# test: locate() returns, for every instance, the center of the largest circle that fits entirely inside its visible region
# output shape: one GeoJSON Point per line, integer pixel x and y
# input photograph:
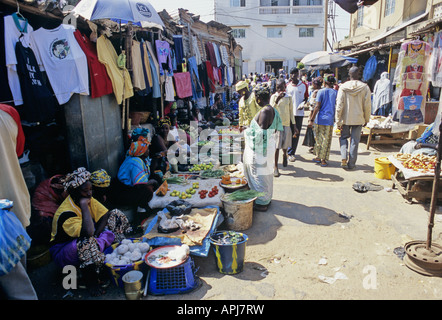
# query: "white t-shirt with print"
{"type": "Point", "coordinates": [297, 92]}
{"type": "Point", "coordinates": [63, 59]}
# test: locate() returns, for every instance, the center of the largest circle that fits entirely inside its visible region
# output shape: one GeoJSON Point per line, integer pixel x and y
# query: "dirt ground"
{"type": "Point", "coordinates": [319, 240]}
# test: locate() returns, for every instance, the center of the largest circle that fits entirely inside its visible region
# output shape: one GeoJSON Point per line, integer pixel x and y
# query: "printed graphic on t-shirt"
{"type": "Point", "coordinates": [60, 48]}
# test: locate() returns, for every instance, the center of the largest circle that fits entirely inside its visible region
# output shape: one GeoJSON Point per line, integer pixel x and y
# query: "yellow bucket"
{"type": "Point", "coordinates": [383, 168]}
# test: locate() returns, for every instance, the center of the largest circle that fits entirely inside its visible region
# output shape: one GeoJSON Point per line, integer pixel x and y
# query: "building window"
{"type": "Point", "coordinates": [306, 32]}
{"type": "Point", "coordinates": [274, 3]}
{"type": "Point", "coordinates": [389, 7]}
{"type": "Point", "coordinates": [274, 32]}
{"type": "Point", "coordinates": [360, 16]}
{"type": "Point", "coordinates": [239, 33]}
{"type": "Point", "coordinates": [307, 2]}
{"type": "Point", "coordinates": [237, 3]}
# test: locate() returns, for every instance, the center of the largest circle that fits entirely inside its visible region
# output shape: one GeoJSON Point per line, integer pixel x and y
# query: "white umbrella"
{"type": "Point", "coordinates": [136, 11]}
{"type": "Point", "coordinates": [314, 56]}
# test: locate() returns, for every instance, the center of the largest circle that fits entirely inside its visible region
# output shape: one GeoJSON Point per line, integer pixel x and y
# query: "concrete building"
{"type": "Point", "coordinates": [274, 34]}
{"type": "Point", "coordinates": [386, 21]}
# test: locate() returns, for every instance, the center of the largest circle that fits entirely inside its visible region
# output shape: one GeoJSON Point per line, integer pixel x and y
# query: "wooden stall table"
{"type": "Point", "coordinates": [385, 136]}
{"type": "Point", "coordinates": [407, 181]}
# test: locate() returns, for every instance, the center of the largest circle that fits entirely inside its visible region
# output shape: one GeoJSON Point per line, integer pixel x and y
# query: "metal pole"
{"type": "Point", "coordinates": [434, 194]}
{"type": "Point", "coordinates": [325, 24]}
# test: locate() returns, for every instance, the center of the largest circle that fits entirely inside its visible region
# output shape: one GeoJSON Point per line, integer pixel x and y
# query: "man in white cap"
{"type": "Point", "coordinates": [247, 105]}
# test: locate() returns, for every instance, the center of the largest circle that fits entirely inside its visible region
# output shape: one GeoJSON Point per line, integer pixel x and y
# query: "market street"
{"type": "Point", "coordinates": [319, 239]}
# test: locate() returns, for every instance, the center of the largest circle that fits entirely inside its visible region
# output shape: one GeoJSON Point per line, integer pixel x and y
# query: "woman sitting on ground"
{"type": "Point", "coordinates": [134, 184]}
{"type": "Point", "coordinates": [83, 228]}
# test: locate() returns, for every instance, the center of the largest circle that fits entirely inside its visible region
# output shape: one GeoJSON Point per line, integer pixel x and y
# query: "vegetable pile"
{"type": "Point", "coordinates": [201, 166]}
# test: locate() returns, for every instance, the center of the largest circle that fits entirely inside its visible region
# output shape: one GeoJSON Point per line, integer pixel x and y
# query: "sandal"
{"type": "Point", "coordinates": [324, 163]}
{"type": "Point", "coordinates": [317, 160]}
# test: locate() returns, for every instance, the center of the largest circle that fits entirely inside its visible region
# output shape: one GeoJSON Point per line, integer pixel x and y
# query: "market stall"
{"type": "Point", "coordinates": [414, 175]}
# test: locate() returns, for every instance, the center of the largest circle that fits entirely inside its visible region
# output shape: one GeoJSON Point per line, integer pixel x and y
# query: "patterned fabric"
{"type": "Point", "coordinates": [100, 178]}
{"type": "Point", "coordinates": [138, 148]}
{"type": "Point", "coordinates": [76, 178]}
{"type": "Point", "coordinates": [165, 120]}
{"type": "Point", "coordinates": [89, 250]}
{"type": "Point", "coordinates": [323, 137]}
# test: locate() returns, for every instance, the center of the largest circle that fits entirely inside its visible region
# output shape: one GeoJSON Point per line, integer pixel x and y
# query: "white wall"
{"type": "Point", "coordinates": [257, 47]}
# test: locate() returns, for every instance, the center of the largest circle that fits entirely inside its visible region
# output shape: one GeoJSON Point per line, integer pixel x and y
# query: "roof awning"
{"type": "Point", "coordinates": [380, 47]}
{"type": "Point", "coordinates": [395, 29]}
{"type": "Point", "coordinates": [425, 26]}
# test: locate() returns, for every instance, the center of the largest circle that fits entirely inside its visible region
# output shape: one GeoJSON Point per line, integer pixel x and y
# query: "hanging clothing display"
{"type": "Point", "coordinates": [164, 57]}
{"type": "Point", "coordinates": [210, 52]}
{"type": "Point", "coordinates": [15, 27]}
{"type": "Point", "coordinates": [5, 92]}
{"type": "Point", "coordinates": [58, 50]}
{"type": "Point", "coordinates": [183, 84]}
{"type": "Point", "coordinates": [382, 96]}
{"type": "Point", "coordinates": [138, 80]}
{"type": "Point", "coordinates": [155, 70]}
{"type": "Point", "coordinates": [169, 89]}
{"type": "Point", "coordinates": [179, 49]}
{"type": "Point", "coordinates": [121, 80]}
{"type": "Point", "coordinates": [146, 70]}
{"type": "Point", "coordinates": [196, 50]}
{"type": "Point", "coordinates": [38, 100]}
{"type": "Point", "coordinates": [100, 83]}
{"type": "Point", "coordinates": [436, 61]}
{"type": "Point", "coordinates": [411, 80]}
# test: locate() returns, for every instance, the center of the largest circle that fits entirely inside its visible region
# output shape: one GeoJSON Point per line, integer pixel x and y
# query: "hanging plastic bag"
{"type": "Point", "coordinates": [121, 60]}
{"type": "Point", "coordinates": [309, 139]}
{"type": "Point", "coordinates": [14, 241]}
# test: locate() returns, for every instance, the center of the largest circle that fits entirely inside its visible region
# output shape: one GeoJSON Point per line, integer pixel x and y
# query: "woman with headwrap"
{"type": "Point", "coordinates": [134, 185]}
{"type": "Point", "coordinates": [260, 147]}
{"type": "Point", "coordinates": [100, 185]}
{"type": "Point", "coordinates": [83, 228]}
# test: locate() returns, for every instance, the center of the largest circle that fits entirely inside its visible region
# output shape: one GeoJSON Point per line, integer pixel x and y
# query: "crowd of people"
{"type": "Point", "coordinates": [79, 213]}
{"type": "Point", "coordinates": [271, 114]}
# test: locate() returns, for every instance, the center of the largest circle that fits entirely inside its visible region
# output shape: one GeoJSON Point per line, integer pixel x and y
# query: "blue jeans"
{"type": "Point", "coordinates": [354, 133]}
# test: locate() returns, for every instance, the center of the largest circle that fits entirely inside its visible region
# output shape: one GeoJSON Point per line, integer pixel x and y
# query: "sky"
{"type": "Point", "coordinates": [205, 9]}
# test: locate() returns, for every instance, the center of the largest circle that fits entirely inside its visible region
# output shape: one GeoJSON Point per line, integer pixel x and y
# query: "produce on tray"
{"type": "Point", "coordinates": [212, 174]}
{"type": "Point", "coordinates": [417, 162]}
{"type": "Point", "coordinates": [127, 252]}
{"type": "Point", "coordinates": [211, 193]}
{"type": "Point", "coordinates": [241, 195]}
{"type": "Point", "coordinates": [201, 166]}
{"type": "Point", "coordinates": [176, 180]}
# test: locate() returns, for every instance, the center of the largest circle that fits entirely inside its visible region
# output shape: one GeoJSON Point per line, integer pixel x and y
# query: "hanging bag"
{"type": "Point", "coordinates": [14, 241]}
{"type": "Point", "coordinates": [309, 139]}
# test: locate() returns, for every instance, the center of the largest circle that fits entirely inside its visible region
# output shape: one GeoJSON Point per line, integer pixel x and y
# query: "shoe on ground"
{"type": "Point", "coordinates": [276, 173]}
{"type": "Point", "coordinates": [292, 158]}
{"type": "Point", "coordinates": [344, 163]}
